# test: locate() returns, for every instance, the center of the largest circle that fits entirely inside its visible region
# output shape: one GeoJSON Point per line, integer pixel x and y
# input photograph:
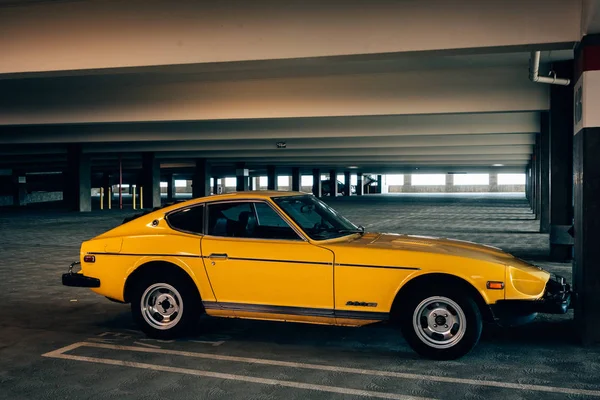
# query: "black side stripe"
{"type": "Point", "coordinates": [348, 314]}
{"type": "Point", "coordinates": [318, 263]}
{"type": "Point", "coordinates": [145, 255]}
{"type": "Point", "coordinates": [377, 266]}
{"type": "Point", "coordinates": [276, 261]}
{"type": "Point", "coordinates": [257, 259]}
{"type": "Point", "coordinates": [304, 311]}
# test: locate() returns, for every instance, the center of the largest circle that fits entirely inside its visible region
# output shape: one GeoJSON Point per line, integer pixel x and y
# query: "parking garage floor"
{"type": "Point", "coordinates": [60, 342]}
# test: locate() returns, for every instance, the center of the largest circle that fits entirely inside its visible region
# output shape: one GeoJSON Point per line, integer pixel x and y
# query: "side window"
{"type": "Point", "coordinates": [188, 220]}
{"type": "Point", "coordinates": [270, 225]}
{"type": "Point", "coordinates": [229, 219]}
{"type": "Point", "coordinates": [266, 216]}
{"type": "Point", "coordinates": [250, 220]}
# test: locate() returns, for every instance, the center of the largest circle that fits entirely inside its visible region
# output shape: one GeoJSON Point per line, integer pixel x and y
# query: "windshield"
{"type": "Point", "coordinates": [317, 219]}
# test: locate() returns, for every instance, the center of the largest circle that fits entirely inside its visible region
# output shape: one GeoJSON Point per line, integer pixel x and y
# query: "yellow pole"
{"type": "Point", "coordinates": [134, 197]}
{"type": "Point", "coordinates": [102, 198]}
{"type": "Point", "coordinates": [109, 197]}
{"type": "Point", "coordinates": [141, 197]}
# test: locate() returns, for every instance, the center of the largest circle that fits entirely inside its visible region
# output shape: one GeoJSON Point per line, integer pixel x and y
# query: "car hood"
{"type": "Point", "coordinates": [459, 248]}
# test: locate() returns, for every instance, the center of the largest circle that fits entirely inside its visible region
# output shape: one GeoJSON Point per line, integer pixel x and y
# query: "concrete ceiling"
{"type": "Point", "coordinates": [440, 109]}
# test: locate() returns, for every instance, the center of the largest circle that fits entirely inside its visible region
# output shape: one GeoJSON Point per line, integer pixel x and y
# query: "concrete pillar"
{"type": "Point", "coordinates": [150, 180]}
{"type": "Point", "coordinates": [201, 179]}
{"type": "Point", "coordinates": [333, 183]}
{"type": "Point", "coordinates": [528, 183]}
{"type": "Point", "coordinates": [215, 185]}
{"type": "Point", "coordinates": [316, 189]}
{"type": "Point", "coordinates": [449, 182]}
{"type": "Point", "coordinates": [106, 188]}
{"type": "Point", "coordinates": [561, 165]}
{"type": "Point", "coordinates": [347, 186]}
{"type": "Point", "coordinates": [271, 178]}
{"type": "Point", "coordinates": [296, 179]}
{"type": "Point", "coordinates": [19, 188]}
{"type": "Point", "coordinates": [493, 181]}
{"type": "Point", "coordinates": [532, 183]}
{"type": "Point", "coordinates": [170, 187]}
{"type": "Point", "coordinates": [77, 193]}
{"type": "Point", "coordinates": [379, 183]}
{"type": "Point", "coordinates": [359, 184]}
{"type": "Point", "coordinates": [586, 176]}
{"type": "Point", "coordinates": [407, 180]}
{"type": "Point", "coordinates": [537, 180]}
{"type": "Point", "coordinates": [241, 174]}
{"type": "Point", "coordinates": [545, 172]}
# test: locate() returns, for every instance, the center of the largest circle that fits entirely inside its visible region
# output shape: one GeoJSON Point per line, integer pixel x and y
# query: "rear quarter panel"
{"type": "Point", "coordinates": [118, 257]}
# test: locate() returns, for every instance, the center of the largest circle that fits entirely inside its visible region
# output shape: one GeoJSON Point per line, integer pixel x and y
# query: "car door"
{"type": "Point", "coordinates": [258, 265]}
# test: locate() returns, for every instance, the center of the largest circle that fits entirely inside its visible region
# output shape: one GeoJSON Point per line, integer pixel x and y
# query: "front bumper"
{"type": "Point", "coordinates": [79, 280]}
{"type": "Point", "coordinates": [556, 300]}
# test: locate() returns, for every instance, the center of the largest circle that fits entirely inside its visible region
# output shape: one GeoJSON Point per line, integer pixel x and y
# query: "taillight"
{"type": "Point", "coordinates": [88, 258]}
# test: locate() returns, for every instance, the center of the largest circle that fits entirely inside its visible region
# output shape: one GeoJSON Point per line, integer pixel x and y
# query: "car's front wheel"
{"type": "Point", "coordinates": [441, 324]}
{"type": "Point", "coordinates": [165, 307]}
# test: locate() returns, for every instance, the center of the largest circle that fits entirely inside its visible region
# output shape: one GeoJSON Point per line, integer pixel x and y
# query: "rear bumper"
{"type": "Point", "coordinates": [79, 280]}
{"type": "Point", "coordinates": [556, 300]}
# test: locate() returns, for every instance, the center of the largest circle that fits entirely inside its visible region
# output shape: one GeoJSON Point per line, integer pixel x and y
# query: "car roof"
{"type": "Point", "coordinates": [251, 194]}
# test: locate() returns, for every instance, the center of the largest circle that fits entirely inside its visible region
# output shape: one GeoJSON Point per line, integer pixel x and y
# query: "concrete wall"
{"type": "Point", "coordinates": [453, 189]}
{"type": "Point", "coordinates": [33, 197]}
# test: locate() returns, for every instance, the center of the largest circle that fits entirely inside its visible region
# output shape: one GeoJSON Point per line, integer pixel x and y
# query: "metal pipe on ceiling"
{"type": "Point", "coordinates": [534, 69]}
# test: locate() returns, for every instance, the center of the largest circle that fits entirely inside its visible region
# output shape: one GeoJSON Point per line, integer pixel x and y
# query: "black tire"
{"type": "Point", "coordinates": [187, 304]}
{"type": "Point", "coordinates": [433, 346]}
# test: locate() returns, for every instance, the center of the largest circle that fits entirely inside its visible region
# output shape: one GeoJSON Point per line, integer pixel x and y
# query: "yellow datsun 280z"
{"type": "Point", "coordinates": [287, 256]}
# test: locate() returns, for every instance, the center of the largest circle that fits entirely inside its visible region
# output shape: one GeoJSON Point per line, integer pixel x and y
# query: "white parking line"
{"type": "Point", "coordinates": [147, 345]}
{"type": "Point", "coordinates": [402, 375]}
{"type": "Point", "coordinates": [208, 374]}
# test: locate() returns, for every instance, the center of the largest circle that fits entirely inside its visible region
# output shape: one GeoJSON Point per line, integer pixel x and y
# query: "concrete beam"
{"type": "Point", "coordinates": [93, 35]}
{"type": "Point", "coordinates": [274, 129]}
{"type": "Point", "coordinates": [441, 91]}
{"type": "Point", "coordinates": [295, 146]}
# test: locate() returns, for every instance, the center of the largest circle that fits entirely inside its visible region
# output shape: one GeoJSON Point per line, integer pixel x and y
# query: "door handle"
{"type": "Point", "coordinates": [218, 256]}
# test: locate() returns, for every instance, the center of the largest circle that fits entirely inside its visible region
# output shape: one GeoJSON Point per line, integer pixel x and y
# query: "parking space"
{"type": "Point", "coordinates": [60, 342]}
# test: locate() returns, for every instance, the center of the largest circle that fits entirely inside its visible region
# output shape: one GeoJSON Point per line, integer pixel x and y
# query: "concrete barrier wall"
{"type": "Point", "coordinates": [33, 197]}
{"type": "Point", "coordinates": [454, 189]}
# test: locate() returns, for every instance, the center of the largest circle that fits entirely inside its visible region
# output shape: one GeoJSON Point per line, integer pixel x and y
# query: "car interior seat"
{"type": "Point", "coordinates": [246, 225]}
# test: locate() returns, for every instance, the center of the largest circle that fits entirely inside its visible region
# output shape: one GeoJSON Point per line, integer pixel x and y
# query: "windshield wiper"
{"type": "Point", "coordinates": [360, 230]}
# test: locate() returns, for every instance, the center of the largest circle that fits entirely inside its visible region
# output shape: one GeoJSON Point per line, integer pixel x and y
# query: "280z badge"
{"type": "Point", "coordinates": [361, 304]}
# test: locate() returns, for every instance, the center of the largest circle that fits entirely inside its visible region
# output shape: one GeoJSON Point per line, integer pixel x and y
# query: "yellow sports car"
{"type": "Point", "coordinates": [288, 256]}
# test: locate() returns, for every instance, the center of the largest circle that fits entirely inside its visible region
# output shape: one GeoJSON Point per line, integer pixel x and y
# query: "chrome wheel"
{"type": "Point", "coordinates": [161, 306]}
{"type": "Point", "coordinates": [439, 322]}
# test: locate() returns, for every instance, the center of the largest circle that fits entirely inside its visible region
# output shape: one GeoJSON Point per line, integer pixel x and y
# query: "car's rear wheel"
{"type": "Point", "coordinates": [165, 307]}
{"type": "Point", "coordinates": [441, 324]}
